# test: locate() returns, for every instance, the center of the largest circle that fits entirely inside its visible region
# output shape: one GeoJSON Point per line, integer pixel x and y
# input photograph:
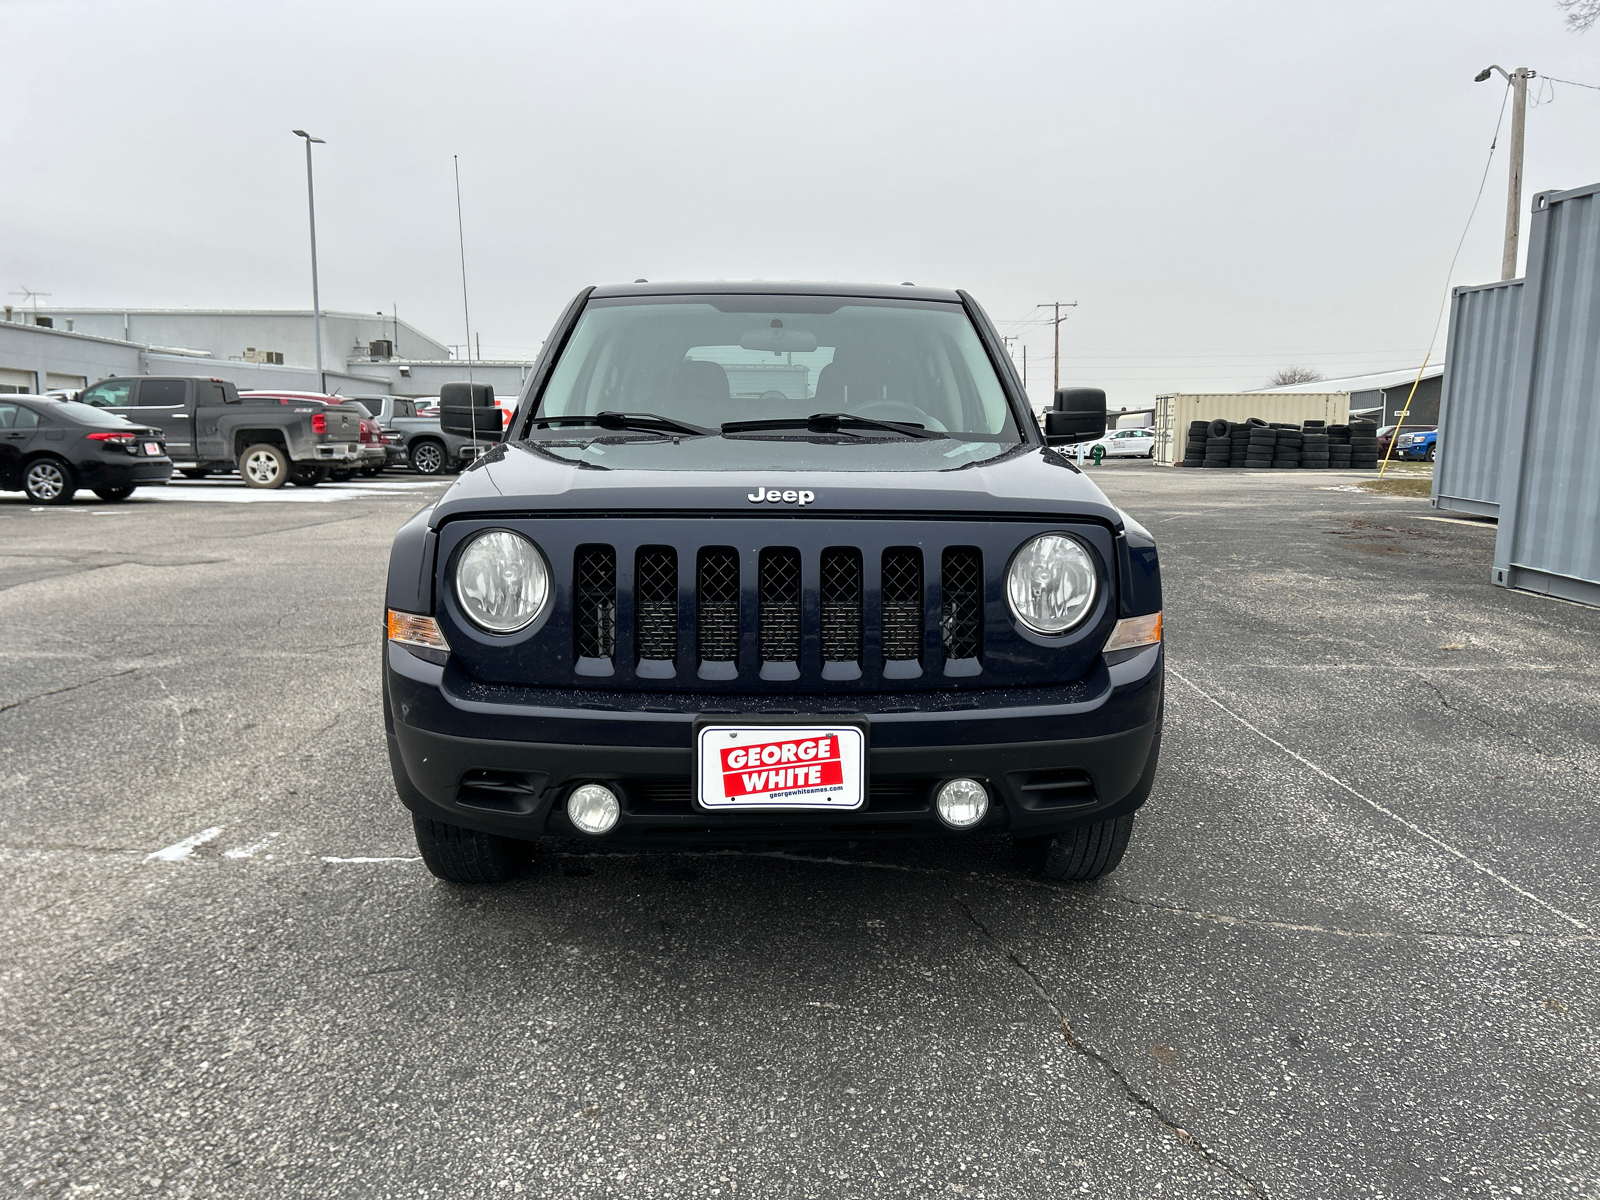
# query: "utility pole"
{"type": "Point", "coordinates": [1058, 305]}
{"type": "Point", "coordinates": [316, 298]}
{"type": "Point", "coordinates": [1518, 80]}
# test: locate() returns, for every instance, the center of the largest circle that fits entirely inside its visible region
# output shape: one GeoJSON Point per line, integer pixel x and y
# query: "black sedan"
{"type": "Point", "coordinates": [51, 448]}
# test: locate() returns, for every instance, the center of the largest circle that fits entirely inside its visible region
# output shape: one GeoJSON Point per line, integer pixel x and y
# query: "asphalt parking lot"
{"type": "Point", "coordinates": [1352, 950]}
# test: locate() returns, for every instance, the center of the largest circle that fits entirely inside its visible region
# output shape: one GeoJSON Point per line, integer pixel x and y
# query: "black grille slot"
{"type": "Point", "coordinates": [655, 603]}
{"type": "Point", "coordinates": [902, 604]}
{"type": "Point", "coordinates": [841, 604]}
{"type": "Point", "coordinates": [780, 605]}
{"type": "Point", "coordinates": [961, 608]}
{"type": "Point", "coordinates": [717, 607]}
{"type": "Point", "coordinates": [594, 626]}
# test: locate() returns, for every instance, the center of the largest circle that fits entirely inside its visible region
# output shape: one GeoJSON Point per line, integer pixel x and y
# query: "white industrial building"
{"type": "Point", "coordinates": [59, 348]}
{"type": "Point", "coordinates": [1382, 396]}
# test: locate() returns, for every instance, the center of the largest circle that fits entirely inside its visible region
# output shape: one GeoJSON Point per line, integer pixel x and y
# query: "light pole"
{"type": "Point", "coordinates": [1518, 80]}
{"type": "Point", "coordinates": [316, 298]}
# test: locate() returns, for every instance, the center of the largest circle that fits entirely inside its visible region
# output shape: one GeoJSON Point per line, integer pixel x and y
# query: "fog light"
{"type": "Point", "coordinates": [593, 808]}
{"type": "Point", "coordinates": [962, 803]}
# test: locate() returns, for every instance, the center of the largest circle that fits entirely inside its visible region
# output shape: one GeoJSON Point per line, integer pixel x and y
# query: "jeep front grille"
{"type": "Point", "coordinates": [594, 625]}
{"type": "Point", "coordinates": [846, 612]}
{"type": "Point", "coordinates": [717, 607]}
{"type": "Point", "coordinates": [902, 604]}
{"type": "Point", "coordinates": [655, 603]}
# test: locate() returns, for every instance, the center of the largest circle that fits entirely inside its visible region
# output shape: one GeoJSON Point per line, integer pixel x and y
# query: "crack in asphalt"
{"type": "Point", "coordinates": [1083, 1050]}
{"type": "Point", "coordinates": [4, 708]}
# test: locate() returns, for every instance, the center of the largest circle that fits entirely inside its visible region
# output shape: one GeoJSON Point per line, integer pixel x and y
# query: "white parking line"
{"type": "Point", "coordinates": [179, 851]}
{"type": "Point", "coordinates": [327, 859]}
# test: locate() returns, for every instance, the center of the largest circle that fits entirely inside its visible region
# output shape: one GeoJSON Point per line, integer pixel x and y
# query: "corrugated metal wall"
{"type": "Point", "coordinates": [1173, 413]}
{"type": "Point", "coordinates": [1475, 408]}
{"type": "Point", "coordinates": [1549, 537]}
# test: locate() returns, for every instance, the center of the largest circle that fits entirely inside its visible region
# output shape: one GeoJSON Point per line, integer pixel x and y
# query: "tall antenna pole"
{"type": "Point", "coordinates": [461, 240]}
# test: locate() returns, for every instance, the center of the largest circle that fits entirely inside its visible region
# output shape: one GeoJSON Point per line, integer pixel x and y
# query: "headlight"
{"type": "Point", "coordinates": [501, 581]}
{"type": "Point", "coordinates": [1052, 583]}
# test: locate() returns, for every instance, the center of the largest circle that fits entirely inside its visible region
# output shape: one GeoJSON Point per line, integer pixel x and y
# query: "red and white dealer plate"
{"type": "Point", "coordinates": [779, 766]}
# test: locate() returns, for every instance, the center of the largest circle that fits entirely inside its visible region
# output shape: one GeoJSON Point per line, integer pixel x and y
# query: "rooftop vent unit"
{"type": "Point", "coordinates": [382, 348]}
{"type": "Point", "coordinates": [252, 355]}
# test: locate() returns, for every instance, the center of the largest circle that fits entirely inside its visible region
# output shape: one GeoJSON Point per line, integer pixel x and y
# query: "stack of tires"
{"type": "Point", "coordinates": [1239, 446]}
{"type": "Point", "coordinates": [1363, 445]}
{"type": "Point", "coordinates": [1219, 443]}
{"type": "Point", "coordinates": [1339, 447]}
{"type": "Point", "coordinates": [1286, 454]}
{"type": "Point", "coordinates": [1314, 446]}
{"type": "Point", "coordinates": [1263, 443]}
{"type": "Point", "coordinates": [1194, 450]}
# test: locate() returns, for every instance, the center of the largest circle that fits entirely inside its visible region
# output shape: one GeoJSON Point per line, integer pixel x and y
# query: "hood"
{"type": "Point", "coordinates": [734, 477]}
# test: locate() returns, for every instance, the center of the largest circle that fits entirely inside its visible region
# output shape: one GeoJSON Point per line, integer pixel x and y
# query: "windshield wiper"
{"type": "Point", "coordinates": [641, 422]}
{"type": "Point", "coordinates": [831, 422]}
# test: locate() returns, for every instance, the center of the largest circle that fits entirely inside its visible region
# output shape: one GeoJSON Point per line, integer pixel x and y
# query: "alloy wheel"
{"type": "Point", "coordinates": [262, 467]}
{"type": "Point", "coordinates": [46, 481]}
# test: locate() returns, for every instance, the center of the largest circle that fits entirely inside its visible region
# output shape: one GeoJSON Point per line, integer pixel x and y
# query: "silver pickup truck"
{"type": "Point", "coordinates": [419, 440]}
{"type": "Point", "coordinates": [210, 428]}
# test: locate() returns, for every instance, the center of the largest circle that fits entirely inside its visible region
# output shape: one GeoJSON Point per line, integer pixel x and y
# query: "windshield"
{"type": "Point", "coordinates": [721, 359]}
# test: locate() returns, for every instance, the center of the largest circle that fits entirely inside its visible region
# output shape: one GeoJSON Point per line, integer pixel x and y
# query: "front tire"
{"type": "Point", "coordinates": [308, 474]}
{"type": "Point", "coordinates": [264, 466]}
{"type": "Point", "coordinates": [427, 458]}
{"type": "Point", "coordinates": [466, 856]}
{"type": "Point", "coordinates": [49, 481]}
{"type": "Point", "coordinates": [1428, 457]}
{"type": "Point", "coordinates": [1085, 852]}
{"type": "Point", "coordinates": [194, 472]}
{"type": "Point", "coordinates": [114, 493]}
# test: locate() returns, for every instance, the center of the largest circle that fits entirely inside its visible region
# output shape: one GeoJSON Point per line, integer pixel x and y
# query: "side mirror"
{"type": "Point", "coordinates": [1079, 416]}
{"type": "Point", "coordinates": [468, 410]}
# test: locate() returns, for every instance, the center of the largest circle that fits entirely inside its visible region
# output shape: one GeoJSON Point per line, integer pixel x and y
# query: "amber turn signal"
{"type": "Point", "coordinates": [1132, 632]}
{"type": "Point", "coordinates": [411, 629]}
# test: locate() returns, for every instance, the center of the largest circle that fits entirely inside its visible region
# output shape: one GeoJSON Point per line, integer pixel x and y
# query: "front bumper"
{"type": "Point", "coordinates": [1050, 758]}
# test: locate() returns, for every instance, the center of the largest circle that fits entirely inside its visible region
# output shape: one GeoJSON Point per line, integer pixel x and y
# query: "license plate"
{"type": "Point", "coordinates": [153, 449]}
{"type": "Point", "coordinates": [781, 766]}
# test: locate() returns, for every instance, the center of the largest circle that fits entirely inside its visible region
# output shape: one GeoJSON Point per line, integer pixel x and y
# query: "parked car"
{"type": "Point", "coordinates": [1125, 443]}
{"type": "Point", "coordinates": [1417, 445]}
{"type": "Point", "coordinates": [887, 607]}
{"type": "Point", "coordinates": [210, 427]}
{"type": "Point", "coordinates": [1387, 432]}
{"type": "Point", "coordinates": [417, 439]}
{"type": "Point", "coordinates": [373, 458]}
{"type": "Point", "coordinates": [50, 448]}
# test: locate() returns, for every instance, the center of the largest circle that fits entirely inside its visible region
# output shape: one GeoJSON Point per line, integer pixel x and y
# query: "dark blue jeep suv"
{"type": "Point", "coordinates": [757, 564]}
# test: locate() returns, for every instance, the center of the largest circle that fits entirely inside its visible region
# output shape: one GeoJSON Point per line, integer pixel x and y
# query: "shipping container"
{"type": "Point", "coordinates": [1175, 412]}
{"type": "Point", "coordinates": [1549, 536]}
{"type": "Point", "coordinates": [1475, 406]}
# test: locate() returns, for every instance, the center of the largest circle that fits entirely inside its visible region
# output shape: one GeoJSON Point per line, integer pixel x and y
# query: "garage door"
{"type": "Point", "coordinates": [13, 382]}
{"type": "Point", "coordinates": [55, 381]}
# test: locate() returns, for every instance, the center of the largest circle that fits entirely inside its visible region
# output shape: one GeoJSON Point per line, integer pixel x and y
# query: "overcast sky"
{"type": "Point", "coordinates": [1223, 188]}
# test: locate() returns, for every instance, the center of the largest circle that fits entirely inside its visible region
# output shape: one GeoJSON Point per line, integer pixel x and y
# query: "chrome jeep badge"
{"type": "Point", "coordinates": [763, 495]}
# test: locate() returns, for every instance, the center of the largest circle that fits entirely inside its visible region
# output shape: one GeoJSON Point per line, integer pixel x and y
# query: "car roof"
{"type": "Point", "coordinates": [790, 287]}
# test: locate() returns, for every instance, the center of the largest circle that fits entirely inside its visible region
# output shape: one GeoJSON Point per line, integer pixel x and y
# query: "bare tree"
{"type": "Point", "coordinates": [1288, 376]}
{"type": "Point", "coordinates": [1581, 14]}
